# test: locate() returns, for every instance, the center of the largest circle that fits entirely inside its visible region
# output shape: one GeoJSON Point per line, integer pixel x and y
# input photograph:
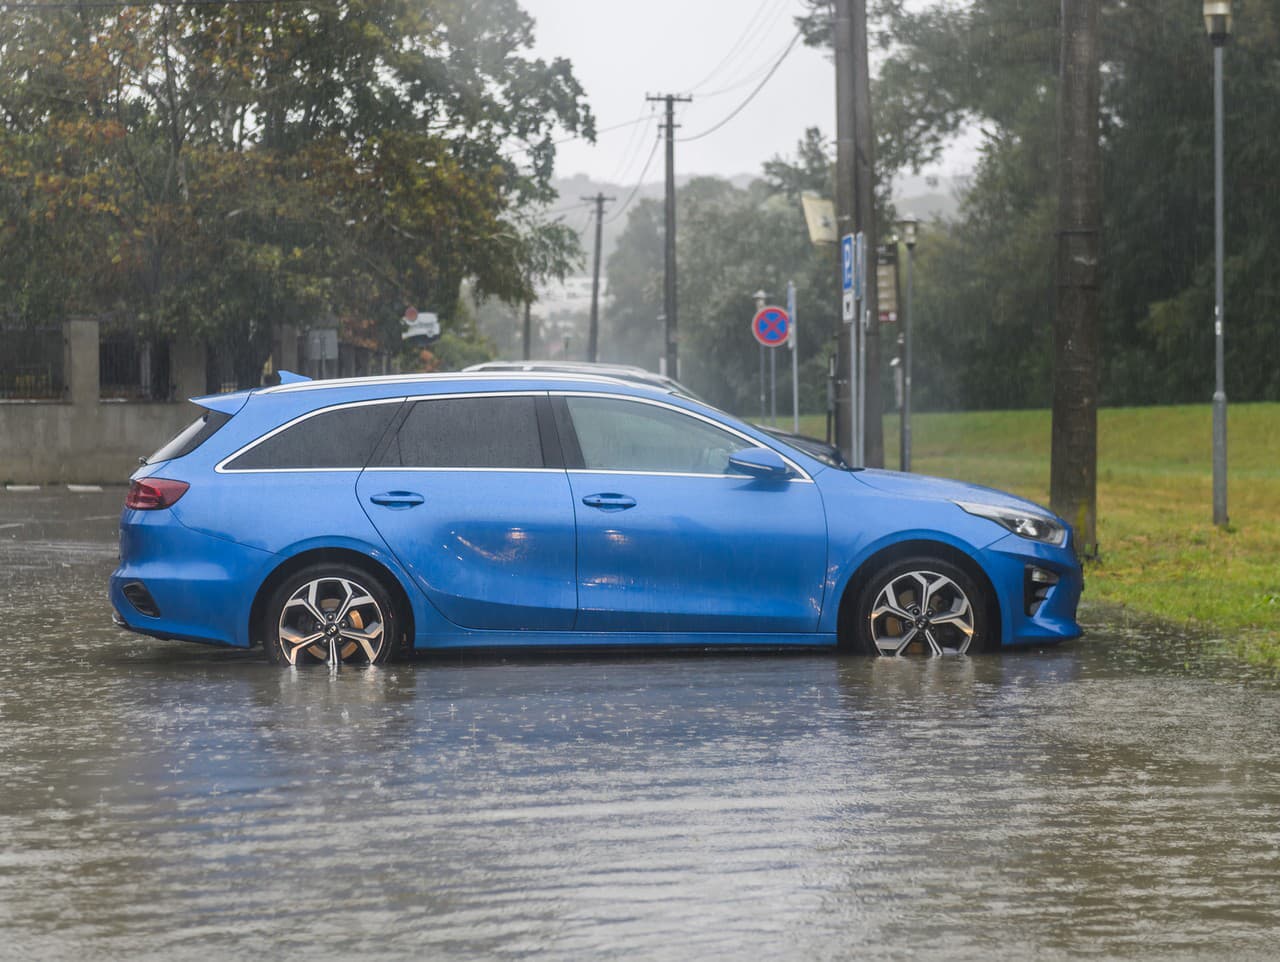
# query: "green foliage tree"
{"type": "Point", "coordinates": [219, 168]}
{"type": "Point", "coordinates": [732, 243]}
{"type": "Point", "coordinates": [985, 285]}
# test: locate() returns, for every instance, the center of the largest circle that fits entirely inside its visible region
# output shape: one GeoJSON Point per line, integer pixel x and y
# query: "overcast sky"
{"type": "Point", "coordinates": [718, 50]}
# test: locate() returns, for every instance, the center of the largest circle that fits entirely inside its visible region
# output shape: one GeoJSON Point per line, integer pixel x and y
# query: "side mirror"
{"type": "Point", "coordinates": [760, 463]}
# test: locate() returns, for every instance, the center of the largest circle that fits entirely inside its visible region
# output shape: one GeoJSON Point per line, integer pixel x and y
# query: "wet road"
{"type": "Point", "coordinates": [1112, 798]}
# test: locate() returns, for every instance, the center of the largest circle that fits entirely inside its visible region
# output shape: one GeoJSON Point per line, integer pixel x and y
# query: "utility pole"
{"type": "Point", "coordinates": [1073, 464]}
{"type": "Point", "coordinates": [855, 211]}
{"type": "Point", "coordinates": [593, 335]}
{"type": "Point", "coordinates": [669, 273]}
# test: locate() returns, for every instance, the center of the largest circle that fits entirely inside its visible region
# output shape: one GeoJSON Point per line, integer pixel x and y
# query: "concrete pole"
{"type": "Point", "coordinates": [1219, 362]}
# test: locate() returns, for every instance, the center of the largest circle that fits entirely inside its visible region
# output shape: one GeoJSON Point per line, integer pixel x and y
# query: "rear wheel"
{"type": "Point", "coordinates": [332, 613]}
{"type": "Point", "coordinates": [921, 606]}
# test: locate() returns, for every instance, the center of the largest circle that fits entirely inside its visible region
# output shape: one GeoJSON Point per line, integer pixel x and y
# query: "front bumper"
{"type": "Point", "coordinates": [1006, 562]}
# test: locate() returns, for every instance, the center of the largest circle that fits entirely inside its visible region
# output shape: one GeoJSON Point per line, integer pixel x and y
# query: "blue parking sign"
{"type": "Point", "coordinates": [846, 262]}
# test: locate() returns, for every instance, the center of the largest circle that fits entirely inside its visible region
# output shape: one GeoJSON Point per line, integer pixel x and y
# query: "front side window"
{"type": "Point", "coordinates": [468, 432]}
{"type": "Point", "coordinates": [621, 435]}
{"type": "Point", "coordinates": [338, 438]}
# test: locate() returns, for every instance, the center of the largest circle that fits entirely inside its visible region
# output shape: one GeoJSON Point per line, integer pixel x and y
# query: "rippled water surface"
{"type": "Point", "coordinates": [1114, 797]}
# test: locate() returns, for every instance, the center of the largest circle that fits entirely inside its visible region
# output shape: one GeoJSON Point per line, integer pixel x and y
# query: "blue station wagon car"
{"type": "Point", "coordinates": [343, 521]}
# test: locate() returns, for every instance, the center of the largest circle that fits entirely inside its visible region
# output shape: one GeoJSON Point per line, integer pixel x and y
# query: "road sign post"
{"type": "Point", "coordinates": [771, 327]}
{"type": "Point", "coordinates": [795, 364]}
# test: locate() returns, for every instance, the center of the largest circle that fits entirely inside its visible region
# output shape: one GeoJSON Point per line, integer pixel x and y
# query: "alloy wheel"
{"type": "Point", "coordinates": [334, 620]}
{"type": "Point", "coordinates": [921, 610]}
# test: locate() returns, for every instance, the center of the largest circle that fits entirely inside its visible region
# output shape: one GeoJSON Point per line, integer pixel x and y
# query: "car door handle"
{"type": "Point", "coordinates": [397, 499]}
{"type": "Point", "coordinates": [609, 501]}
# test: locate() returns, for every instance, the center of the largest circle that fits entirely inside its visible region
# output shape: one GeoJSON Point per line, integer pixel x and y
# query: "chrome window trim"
{"type": "Point", "coordinates": [384, 469]}
{"type": "Point", "coordinates": [804, 477]}
{"type": "Point", "coordinates": [450, 377]}
{"type": "Point", "coordinates": [221, 466]}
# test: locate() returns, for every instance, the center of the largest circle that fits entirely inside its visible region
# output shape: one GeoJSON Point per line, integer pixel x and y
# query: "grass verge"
{"type": "Point", "coordinates": [1161, 555]}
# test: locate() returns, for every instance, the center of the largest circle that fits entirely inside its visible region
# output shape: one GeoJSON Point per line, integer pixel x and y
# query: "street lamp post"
{"type": "Point", "coordinates": [904, 421]}
{"type": "Point", "coordinates": [1217, 21]}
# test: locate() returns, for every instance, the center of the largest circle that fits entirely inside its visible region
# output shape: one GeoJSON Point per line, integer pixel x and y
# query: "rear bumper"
{"type": "Point", "coordinates": [202, 587]}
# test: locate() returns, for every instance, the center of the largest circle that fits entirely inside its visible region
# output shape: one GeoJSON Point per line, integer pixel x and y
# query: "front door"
{"type": "Point", "coordinates": [670, 541]}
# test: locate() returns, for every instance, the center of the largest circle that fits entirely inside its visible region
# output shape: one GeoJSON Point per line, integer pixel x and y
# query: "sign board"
{"type": "Point", "coordinates": [322, 344]}
{"type": "Point", "coordinates": [422, 324]}
{"type": "Point", "coordinates": [846, 263]}
{"type": "Point", "coordinates": [887, 284]}
{"type": "Point", "coordinates": [847, 277]}
{"type": "Point", "coordinates": [770, 326]}
{"type": "Point", "coordinates": [820, 216]}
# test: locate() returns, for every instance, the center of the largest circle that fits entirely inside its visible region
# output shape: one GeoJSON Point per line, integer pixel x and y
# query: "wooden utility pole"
{"type": "Point", "coordinates": [669, 273]}
{"type": "Point", "coordinates": [855, 211]}
{"type": "Point", "coordinates": [1073, 474]}
{"type": "Point", "coordinates": [593, 333]}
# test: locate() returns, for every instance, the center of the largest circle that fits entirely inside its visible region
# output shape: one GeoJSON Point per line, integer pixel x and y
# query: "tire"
{"type": "Point", "coordinates": [920, 604]}
{"type": "Point", "coordinates": [330, 611]}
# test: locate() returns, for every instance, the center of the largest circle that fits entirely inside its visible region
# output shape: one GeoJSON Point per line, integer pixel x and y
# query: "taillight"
{"type": "Point", "coordinates": [154, 493]}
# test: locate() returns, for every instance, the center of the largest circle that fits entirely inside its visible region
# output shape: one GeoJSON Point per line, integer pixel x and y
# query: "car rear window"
{"type": "Point", "coordinates": [191, 437]}
{"type": "Point", "coordinates": [342, 437]}
{"type": "Point", "coordinates": [473, 432]}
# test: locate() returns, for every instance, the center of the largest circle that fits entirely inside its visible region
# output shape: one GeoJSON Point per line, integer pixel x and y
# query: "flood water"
{"type": "Point", "coordinates": [1117, 797]}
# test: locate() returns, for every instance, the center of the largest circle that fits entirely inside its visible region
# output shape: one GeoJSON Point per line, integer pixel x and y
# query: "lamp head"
{"type": "Point", "coordinates": [909, 226]}
{"type": "Point", "coordinates": [1217, 20]}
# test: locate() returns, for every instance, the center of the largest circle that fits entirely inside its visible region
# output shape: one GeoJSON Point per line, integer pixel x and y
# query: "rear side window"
{"type": "Point", "coordinates": [191, 437]}
{"type": "Point", "coordinates": [337, 438]}
{"type": "Point", "coordinates": [472, 432]}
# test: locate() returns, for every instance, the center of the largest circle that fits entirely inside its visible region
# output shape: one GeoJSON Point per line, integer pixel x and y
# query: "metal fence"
{"type": "Point", "coordinates": [131, 365]}
{"type": "Point", "coordinates": [32, 361]}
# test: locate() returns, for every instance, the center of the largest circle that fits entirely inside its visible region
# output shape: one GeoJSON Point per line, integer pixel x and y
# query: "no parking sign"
{"type": "Point", "coordinates": [771, 326]}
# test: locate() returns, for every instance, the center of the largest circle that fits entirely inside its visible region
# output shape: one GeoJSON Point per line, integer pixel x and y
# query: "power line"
{"type": "Point", "coordinates": [630, 153]}
{"type": "Point", "coordinates": [750, 77]}
{"type": "Point", "coordinates": [639, 181]}
{"type": "Point", "coordinates": [749, 29]}
{"type": "Point", "coordinates": [751, 96]}
{"type": "Point", "coordinates": [565, 140]}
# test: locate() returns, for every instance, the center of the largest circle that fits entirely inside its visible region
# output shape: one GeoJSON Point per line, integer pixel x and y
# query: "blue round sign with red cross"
{"type": "Point", "coordinates": [771, 326]}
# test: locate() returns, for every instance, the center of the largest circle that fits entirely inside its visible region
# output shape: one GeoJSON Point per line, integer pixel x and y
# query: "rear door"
{"type": "Point", "coordinates": [471, 495]}
{"type": "Point", "coordinates": [670, 541]}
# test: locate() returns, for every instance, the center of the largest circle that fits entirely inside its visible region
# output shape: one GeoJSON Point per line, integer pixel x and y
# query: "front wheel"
{"type": "Point", "coordinates": [923, 605]}
{"type": "Point", "coordinates": [332, 613]}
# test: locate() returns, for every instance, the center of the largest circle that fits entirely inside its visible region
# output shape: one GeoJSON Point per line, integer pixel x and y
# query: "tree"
{"type": "Point", "coordinates": [983, 290]}
{"type": "Point", "coordinates": [218, 169]}
{"type": "Point", "coordinates": [733, 242]}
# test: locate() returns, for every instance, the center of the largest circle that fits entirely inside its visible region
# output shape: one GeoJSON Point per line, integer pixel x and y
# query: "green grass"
{"type": "Point", "coordinates": [1161, 555]}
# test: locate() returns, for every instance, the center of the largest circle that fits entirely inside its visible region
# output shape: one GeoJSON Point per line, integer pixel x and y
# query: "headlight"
{"type": "Point", "coordinates": [1026, 524]}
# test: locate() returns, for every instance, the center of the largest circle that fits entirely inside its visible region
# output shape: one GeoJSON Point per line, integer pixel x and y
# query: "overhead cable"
{"type": "Point", "coordinates": [751, 96]}
{"type": "Point", "coordinates": [640, 180]}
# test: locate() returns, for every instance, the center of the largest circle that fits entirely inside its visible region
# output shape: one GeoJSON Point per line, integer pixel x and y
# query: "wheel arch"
{"type": "Point", "coordinates": [350, 556]}
{"type": "Point", "coordinates": [914, 548]}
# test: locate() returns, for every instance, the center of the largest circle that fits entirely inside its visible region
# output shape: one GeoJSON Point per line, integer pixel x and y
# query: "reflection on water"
{"type": "Point", "coordinates": [1113, 797]}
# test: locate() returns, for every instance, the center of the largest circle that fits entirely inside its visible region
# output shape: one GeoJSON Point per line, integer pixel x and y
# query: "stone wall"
{"type": "Point", "coordinates": [84, 439]}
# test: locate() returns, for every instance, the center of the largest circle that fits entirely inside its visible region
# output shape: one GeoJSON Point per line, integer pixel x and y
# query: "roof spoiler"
{"type": "Point", "coordinates": [233, 402]}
